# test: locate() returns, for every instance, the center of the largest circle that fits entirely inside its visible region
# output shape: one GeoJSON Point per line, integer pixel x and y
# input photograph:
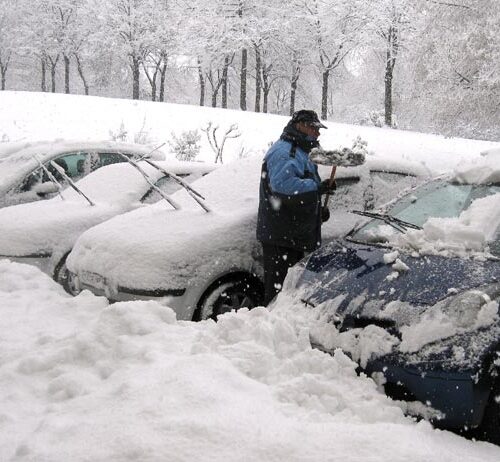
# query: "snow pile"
{"type": "Point", "coordinates": [483, 170]}
{"type": "Point", "coordinates": [470, 311]}
{"type": "Point", "coordinates": [469, 232]}
{"type": "Point", "coordinates": [82, 381]}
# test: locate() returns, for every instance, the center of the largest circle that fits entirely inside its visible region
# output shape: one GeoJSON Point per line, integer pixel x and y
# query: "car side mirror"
{"type": "Point", "coordinates": [47, 187]}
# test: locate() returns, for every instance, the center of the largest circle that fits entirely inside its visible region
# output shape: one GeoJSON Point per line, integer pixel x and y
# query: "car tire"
{"type": "Point", "coordinates": [489, 430]}
{"type": "Point", "coordinates": [229, 295]}
{"type": "Point", "coordinates": [64, 277]}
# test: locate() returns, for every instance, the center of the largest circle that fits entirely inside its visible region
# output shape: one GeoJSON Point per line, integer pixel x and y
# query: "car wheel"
{"type": "Point", "coordinates": [64, 277]}
{"type": "Point", "coordinates": [228, 296]}
{"type": "Point", "coordinates": [489, 430]}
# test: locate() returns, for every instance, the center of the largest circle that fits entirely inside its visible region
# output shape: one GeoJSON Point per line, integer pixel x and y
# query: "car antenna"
{"type": "Point", "coordinates": [174, 204]}
{"type": "Point", "coordinates": [70, 181]}
{"type": "Point", "coordinates": [192, 192]}
{"type": "Point", "coordinates": [51, 177]}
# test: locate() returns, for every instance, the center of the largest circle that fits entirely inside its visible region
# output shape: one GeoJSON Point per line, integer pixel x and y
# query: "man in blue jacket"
{"type": "Point", "coordinates": [290, 212]}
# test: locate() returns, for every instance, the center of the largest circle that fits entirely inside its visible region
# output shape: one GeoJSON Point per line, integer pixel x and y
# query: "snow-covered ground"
{"type": "Point", "coordinates": [82, 380]}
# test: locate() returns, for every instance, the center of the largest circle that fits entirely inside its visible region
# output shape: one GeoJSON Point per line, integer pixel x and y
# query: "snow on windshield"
{"type": "Point", "coordinates": [457, 215]}
{"type": "Point", "coordinates": [483, 170]}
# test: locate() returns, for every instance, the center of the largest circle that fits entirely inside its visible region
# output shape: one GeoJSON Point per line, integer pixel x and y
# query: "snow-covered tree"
{"type": "Point", "coordinates": [9, 36]}
{"type": "Point", "coordinates": [336, 29]}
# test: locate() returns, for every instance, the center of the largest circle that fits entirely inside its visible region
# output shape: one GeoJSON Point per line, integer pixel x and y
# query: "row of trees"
{"type": "Point", "coordinates": [437, 62]}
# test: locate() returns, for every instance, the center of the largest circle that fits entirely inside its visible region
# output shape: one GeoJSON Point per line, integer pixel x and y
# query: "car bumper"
{"type": "Point", "coordinates": [173, 298]}
{"type": "Point", "coordinates": [42, 262]}
{"type": "Point", "coordinates": [458, 395]}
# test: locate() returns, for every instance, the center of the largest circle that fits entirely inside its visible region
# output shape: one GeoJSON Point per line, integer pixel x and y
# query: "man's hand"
{"type": "Point", "coordinates": [326, 187]}
{"type": "Point", "coordinates": [325, 214]}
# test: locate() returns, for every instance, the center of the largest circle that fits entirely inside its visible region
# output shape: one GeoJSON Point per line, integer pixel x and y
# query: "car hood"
{"type": "Point", "coordinates": [431, 312]}
{"type": "Point", "coordinates": [354, 269]}
{"type": "Point", "coordinates": [160, 248]}
{"type": "Point", "coordinates": [38, 228]}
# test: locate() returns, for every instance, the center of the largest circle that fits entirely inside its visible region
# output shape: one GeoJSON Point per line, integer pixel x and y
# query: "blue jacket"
{"type": "Point", "coordinates": [289, 202]}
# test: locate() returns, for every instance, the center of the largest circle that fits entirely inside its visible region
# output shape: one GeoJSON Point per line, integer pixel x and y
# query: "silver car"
{"type": "Point", "coordinates": [27, 171]}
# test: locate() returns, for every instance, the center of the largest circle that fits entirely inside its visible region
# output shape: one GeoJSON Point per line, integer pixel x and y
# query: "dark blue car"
{"type": "Point", "coordinates": [429, 291]}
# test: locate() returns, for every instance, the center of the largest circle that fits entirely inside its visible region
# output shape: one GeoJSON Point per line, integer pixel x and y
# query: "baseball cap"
{"type": "Point", "coordinates": [307, 116]}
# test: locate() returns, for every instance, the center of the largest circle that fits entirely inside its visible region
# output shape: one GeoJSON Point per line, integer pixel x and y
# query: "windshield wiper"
{"type": "Point", "coordinates": [50, 176]}
{"type": "Point", "coordinates": [192, 192]}
{"type": "Point", "coordinates": [60, 170]}
{"type": "Point", "coordinates": [396, 223]}
{"type": "Point", "coordinates": [134, 164]}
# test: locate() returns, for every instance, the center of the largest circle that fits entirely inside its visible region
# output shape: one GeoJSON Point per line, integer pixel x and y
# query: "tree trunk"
{"type": "Point", "coordinates": [152, 78]}
{"type": "Point", "coordinates": [266, 87]}
{"type": "Point", "coordinates": [324, 94]}
{"type": "Point", "coordinates": [243, 79]}
{"type": "Point", "coordinates": [53, 79]}
{"type": "Point", "coordinates": [66, 74]}
{"type": "Point", "coordinates": [3, 71]}
{"type": "Point", "coordinates": [136, 72]}
{"type": "Point", "coordinates": [266, 98]}
{"type": "Point", "coordinates": [293, 84]}
{"type": "Point", "coordinates": [388, 95]}
{"type": "Point", "coordinates": [392, 49]}
{"type": "Point", "coordinates": [53, 64]}
{"type": "Point", "coordinates": [258, 64]}
{"type": "Point", "coordinates": [214, 97]}
{"type": "Point", "coordinates": [225, 81]}
{"type": "Point", "coordinates": [163, 72]}
{"type": "Point", "coordinates": [80, 73]}
{"type": "Point", "coordinates": [44, 75]}
{"type": "Point", "coordinates": [202, 84]}
{"type": "Point", "coordinates": [4, 65]}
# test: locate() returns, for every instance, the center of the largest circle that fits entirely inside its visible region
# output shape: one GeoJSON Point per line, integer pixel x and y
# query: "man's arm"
{"type": "Point", "coordinates": [286, 175]}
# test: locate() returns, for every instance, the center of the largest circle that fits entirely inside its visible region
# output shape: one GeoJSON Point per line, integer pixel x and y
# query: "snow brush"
{"type": "Point", "coordinates": [345, 157]}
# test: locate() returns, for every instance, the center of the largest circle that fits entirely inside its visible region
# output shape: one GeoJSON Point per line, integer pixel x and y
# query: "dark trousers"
{"type": "Point", "coordinates": [277, 260]}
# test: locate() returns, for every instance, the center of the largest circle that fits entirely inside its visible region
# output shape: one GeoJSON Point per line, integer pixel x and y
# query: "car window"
{"type": "Point", "coordinates": [75, 165]}
{"type": "Point", "coordinates": [107, 158]}
{"type": "Point", "coordinates": [438, 199]}
{"type": "Point", "coordinates": [165, 184]}
{"type": "Point", "coordinates": [72, 163]}
{"type": "Point", "coordinates": [385, 186]}
{"type": "Point", "coordinates": [369, 192]}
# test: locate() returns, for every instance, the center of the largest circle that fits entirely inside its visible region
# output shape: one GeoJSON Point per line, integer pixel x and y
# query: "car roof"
{"type": "Point", "coordinates": [17, 159]}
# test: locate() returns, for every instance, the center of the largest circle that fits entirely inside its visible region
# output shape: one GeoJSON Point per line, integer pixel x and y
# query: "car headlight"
{"type": "Point", "coordinates": [468, 311]}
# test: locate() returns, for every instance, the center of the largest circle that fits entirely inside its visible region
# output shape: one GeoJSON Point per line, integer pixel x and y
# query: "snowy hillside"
{"type": "Point", "coordinates": [33, 116]}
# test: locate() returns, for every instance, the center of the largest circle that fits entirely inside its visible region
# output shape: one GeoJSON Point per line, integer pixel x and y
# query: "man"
{"type": "Point", "coordinates": [290, 212]}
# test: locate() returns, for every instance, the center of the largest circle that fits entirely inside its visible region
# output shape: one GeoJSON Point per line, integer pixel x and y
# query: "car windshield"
{"type": "Point", "coordinates": [438, 199]}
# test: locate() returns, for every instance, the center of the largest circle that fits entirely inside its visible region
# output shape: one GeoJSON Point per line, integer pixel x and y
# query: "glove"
{"type": "Point", "coordinates": [325, 214]}
{"type": "Point", "coordinates": [326, 188]}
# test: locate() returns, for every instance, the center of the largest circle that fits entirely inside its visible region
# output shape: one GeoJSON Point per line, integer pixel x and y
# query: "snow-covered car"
{"type": "Point", "coordinates": [27, 172]}
{"type": "Point", "coordinates": [42, 233]}
{"type": "Point", "coordinates": [205, 263]}
{"type": "Point", "coordinates": [413, 296]}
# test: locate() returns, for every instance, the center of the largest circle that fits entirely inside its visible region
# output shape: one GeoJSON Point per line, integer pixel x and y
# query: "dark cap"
{"type": "Point", "coordinates": [307, 116]}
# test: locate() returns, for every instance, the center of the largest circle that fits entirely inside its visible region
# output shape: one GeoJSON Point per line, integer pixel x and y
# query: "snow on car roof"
{"type": "Point", "coordinates": [482, 170]}
{"type": "Point", "coordinates": [16, 160]}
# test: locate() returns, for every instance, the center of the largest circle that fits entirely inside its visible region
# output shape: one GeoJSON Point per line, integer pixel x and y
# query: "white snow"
{"type": "Point", "coordinates": [82, 380]}
{"type": "Point", "coordinates": [463, 235]}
